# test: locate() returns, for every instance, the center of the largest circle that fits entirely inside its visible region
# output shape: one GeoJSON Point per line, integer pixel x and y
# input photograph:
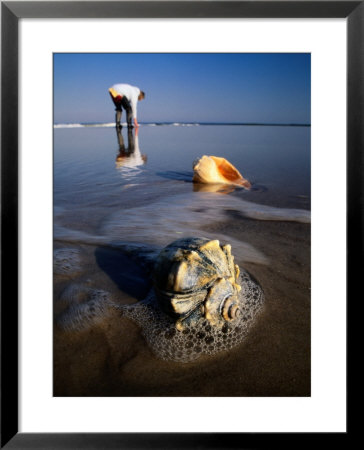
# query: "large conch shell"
{"type": "Point", "coordinates": [213, 169]}
{"type": "Point", "coordinates": [197, 277]}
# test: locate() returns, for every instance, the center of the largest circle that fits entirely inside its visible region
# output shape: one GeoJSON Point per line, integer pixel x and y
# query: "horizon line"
{"type": "Point", "coordinates": [289, 124]}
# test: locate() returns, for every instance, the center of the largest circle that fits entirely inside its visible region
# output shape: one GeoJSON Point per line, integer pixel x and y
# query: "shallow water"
{"type": "Point", "coordinates": [94, 178]}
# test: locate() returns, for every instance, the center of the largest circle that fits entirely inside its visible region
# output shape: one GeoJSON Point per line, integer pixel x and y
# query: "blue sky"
{"type": "Point", "coordinates": [226, 87]}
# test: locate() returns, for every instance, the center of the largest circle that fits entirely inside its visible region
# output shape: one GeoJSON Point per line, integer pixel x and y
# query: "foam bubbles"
{"type": "Point", "coordinates": [86, 307]}
{"type": "Point", "coordinates": [184, 346]}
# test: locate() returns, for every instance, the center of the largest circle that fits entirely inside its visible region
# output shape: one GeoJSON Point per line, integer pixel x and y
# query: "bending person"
{"type": "Point", "coordinates": [126, 96]}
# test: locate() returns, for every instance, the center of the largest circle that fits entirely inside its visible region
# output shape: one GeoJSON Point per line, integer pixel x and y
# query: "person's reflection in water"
{"type": "Point", "coordinates": [130, 157]}
{"type": "Point", "coordinates": [122, 150]}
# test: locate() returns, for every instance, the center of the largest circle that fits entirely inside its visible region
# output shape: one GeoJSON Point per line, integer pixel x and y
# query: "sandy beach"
{"type": "Point", "coordinates": [111, 358]}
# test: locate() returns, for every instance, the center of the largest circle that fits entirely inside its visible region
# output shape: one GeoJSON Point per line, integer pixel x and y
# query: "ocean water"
{"type": "Point", "coordinates": [98, 173]}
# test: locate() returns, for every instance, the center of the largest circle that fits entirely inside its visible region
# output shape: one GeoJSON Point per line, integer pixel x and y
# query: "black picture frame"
{"type": "Point", "coordinates": [11, 12]}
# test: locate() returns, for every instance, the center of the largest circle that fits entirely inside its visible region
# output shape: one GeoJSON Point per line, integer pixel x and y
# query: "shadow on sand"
{"type": "Point", "coordinates": [130, 277]}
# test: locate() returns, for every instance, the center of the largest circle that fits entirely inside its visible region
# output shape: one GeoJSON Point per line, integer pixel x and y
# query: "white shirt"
{"type": "Point", "coordinates": [131, 93]}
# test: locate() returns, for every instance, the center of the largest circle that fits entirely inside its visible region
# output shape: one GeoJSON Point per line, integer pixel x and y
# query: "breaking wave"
{"type": "Point", "coordinates": [175, 124]}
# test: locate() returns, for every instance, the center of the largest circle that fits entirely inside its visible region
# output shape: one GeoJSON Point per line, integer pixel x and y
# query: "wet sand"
{"type": "Point", "coordinates": [111, 357]}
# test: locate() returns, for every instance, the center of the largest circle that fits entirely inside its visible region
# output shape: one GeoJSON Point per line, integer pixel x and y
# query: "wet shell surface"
{"type": "Point", "coordinates": [197, 278]}
{"type": "Point", "coordinates": [213, 169]}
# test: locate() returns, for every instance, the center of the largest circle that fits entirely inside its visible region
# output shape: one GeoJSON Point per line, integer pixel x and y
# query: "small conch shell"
{"type": "Point", "coordinates": [213, 169]}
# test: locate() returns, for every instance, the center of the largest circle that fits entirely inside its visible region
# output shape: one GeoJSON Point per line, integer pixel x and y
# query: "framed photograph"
{"type": "Point", "coordinates": [181, 216]}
